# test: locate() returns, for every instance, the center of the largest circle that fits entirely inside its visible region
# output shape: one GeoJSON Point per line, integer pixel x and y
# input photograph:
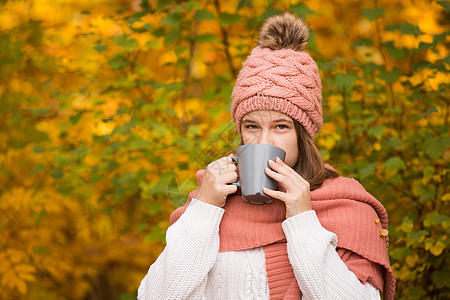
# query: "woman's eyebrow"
{"type": "Point", "coordinates": [282, 120]}
{"type": "Point", "coordinates": [272, 121]}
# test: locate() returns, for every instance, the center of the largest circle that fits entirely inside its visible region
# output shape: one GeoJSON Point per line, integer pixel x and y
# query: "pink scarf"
{"type": "Point", "coordinates": [342, 205]}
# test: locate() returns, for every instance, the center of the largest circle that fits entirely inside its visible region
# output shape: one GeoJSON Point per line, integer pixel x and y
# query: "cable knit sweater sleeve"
{"type": "Point", "coordinates": [192, 246]}
{"type": "Point", "coordinates": [319, 271]}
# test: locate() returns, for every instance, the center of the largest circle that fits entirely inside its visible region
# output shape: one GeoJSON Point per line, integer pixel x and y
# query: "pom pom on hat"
{"type": "Point", "coordinates": [284, 32]}
{"type": "Point", "coordinates": [279, 75]}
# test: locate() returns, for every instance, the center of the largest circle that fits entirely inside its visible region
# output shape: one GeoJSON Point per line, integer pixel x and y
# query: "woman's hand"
{"type": "Point", "coordinates": [297, 196]}
{"type": "Point", "coordinates": [214, 188]}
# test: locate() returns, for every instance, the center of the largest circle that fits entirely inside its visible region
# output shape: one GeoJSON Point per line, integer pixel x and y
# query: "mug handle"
{"type": "Point", "coordinates": [235, 161]}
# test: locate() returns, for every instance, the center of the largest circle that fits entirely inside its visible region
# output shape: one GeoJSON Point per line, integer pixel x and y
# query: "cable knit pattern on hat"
{"type": "Point", "coordinates": [283, 80]}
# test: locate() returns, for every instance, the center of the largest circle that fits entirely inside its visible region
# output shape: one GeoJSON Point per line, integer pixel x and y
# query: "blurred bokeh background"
{"type": "Point", "coordinates": [109, 107]}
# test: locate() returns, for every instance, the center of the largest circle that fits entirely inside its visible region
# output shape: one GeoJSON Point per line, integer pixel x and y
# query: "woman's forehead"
{"type": "Point", "coordinates": [266, 116]}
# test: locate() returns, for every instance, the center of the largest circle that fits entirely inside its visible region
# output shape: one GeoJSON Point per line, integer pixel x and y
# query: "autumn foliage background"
{"type": "Point", "coordinates": [108, 108]}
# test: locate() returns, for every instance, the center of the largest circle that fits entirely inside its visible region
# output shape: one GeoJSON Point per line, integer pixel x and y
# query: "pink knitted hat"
{"type": "Point", "coordinates": [279, 75]}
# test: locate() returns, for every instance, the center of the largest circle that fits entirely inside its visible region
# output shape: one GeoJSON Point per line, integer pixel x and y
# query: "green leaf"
{"type": "Point", "coordinates": [174, 19]}
{"type": "Point", "coordinates": [57, 174]}
{"type": "Point", "coordinates": [206, 38]}
{"type": "Point", "coordinates": [160, 130]}
{"type": "Point", "coordinates": [272, 11]}
{"type": "Point", "coordinates": [376, 131]}
{"type": "Point", "coordinates": [100, 48]}
{"type": "Point", "coordinates": [439, 38]}
{"type": "Point", "coordinates": [394, 142]}
{"type": "Point", "coordinates": [138, 143]}
{"type": "Point", "coordinates": [133, 19]}
{"type": "Point", "coordinates": [302, 10]}
{"type": "Point", "coordinates": [61, 160]}
{"type": "Point", "coordinates": [420, 65]}
{"type": "Point", "coordinates": [394, 52]}
{"type": "Point", "coordinates": [363, 42]}
{"type": "Point", "coordinates": [159, 32]}
{"type": "Point", "coordinates": [153, 44]}
{"type": "Point", "coordinates": [229, 19]}
{"type": "Point", "coordinates": [201, 15]}
{"type": "Point", "coordinates": [427, 195]}
{"type": "Point", "coordinates": [434, 218]}
{"type": "Point", "coordinates": [417, 235]}
{"type": "Point", "coordinates": [367, 171]}
{"type": "Point", "coordinates": [129, 45]}
{"type": "Point", "coordinates": [38, 149]}
{"type": "Point", "coordinates": [373, 13]}
{"type": "Point", "coordinates": [118, 62]}
{"type": "Point", "coordinates": [345, 80]}
{"type": "Point", "coordinates": [446, 60]}
{"type": "Point", "coordinates": [191, 5]}
{"type": "Point", "coordinates": [180, 50]}
{"type": "Point", "coordinates": [120, 38]}
{"type": "Point", "coordinates": [416, 292]}
{"type": "Point", "coordinates": [422, 47]}
{"type": "Point", "coordinates": [405, 28]}
{"type": "Point", "coordinates": [174, 86]}
{"type": "Point", "coordinates": [147, 27]}
{"type": "Point", "coordinates": [244, 3]}
{"type": "Point", "coordinates": [445, 5]}
{"type": "Point", "coordinates": [390, 76]}
{"type": "Point", "coordinates": [40, 111]}
{"type": "Point", "coordinates": [172, 36]}
{"type": "Point", "coordinates": [428, 173]}
{"type": "Point", "coordinates": [75, 118]}
{"type": "Point", "coordinates": [440, 277]}
{"type": "Point", "coordinates": [157, 234]}
{"type": "Point", "coordinates": [395, 163]}
{"type": "Point", "coordinates": [436, 147]}
{"type": "Point", "coordinates": [426, 114]}
{"type": "Point", "coordinates": [80, 152]}
{"type": "Point", "coordinates": [400, 253]}
{"type": "Point", "coordinates": [163, 3]}
{"type": "Point", "coordinates": [37, 169]}
{"type": "Point", "coordinates": [407, 224]}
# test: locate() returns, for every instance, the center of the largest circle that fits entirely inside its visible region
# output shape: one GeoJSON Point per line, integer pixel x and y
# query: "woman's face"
{"type": "Point", "coordinates": [273, 128]}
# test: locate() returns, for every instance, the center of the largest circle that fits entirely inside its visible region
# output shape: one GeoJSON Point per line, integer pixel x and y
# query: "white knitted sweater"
{"type": "Point", "coordinates": [191, 266]}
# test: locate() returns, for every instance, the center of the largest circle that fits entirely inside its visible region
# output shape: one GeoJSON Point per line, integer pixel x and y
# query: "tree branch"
{"type": "Point", "coordinates": [225, 42]}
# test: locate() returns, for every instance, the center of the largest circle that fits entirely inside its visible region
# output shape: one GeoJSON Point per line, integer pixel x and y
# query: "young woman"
{"type": "Point", "coordinates": [324, 237]}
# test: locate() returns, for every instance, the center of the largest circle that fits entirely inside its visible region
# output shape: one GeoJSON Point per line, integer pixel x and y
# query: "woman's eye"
{"type": "Point", "coordinates": [252, 126]}
{"type": "Point", "coordinates": [281, 126]}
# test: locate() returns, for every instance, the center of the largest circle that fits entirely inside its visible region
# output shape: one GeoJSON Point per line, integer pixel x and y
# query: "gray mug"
{"type": "Point", "coordinates": [252, 160]}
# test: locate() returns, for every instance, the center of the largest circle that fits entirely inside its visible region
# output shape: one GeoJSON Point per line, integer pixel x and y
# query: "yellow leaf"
{"type": "Point", "coordinates": [168, 57]}
{"type": "Point", "coordinates": [27, 277]}
{"type": "Point", "coordinates": [411, 260]}
{"type": "Point", "coordinates": [24, 268]}
{"type": "Point", "coordinates": [106, 26]}
{"type": "Point", "coordinates": [403, 272]}
{"type": "Point", "coordinates": [435, 249]}
{"type": "Point", "coordinates": [369, 54]}
{"type": "Point", "coordinates": [21, 286]}
{"type": "Point", "coordinates": [198, 69]}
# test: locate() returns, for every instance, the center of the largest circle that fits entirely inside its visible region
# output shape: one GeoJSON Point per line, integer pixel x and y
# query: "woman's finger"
{"type": "Point", "coordinates": [287, 177]}
{"type": "Point", "coordinates": [223, 165]}
{"type": "Point", "coordinates": [276, 194]}
{"type": "Point", "coordinates": [279, 177]}
{"type": "Point", "coordinates": [282, 167]}
{"type": "Point", "coordinates": [229, 177]}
